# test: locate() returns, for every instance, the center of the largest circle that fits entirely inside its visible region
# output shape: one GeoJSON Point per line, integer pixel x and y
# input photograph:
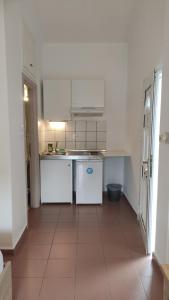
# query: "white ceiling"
{"type": "Point", "coordinates": [93, 21]}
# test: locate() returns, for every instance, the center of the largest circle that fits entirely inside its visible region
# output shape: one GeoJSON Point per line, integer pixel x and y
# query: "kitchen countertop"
{"type": "Point", "coordinates": [74, 155]}
{"type": "Point", "coordinates": [77, 155]}
{"type": "Point", "coordinates": [115, 153]}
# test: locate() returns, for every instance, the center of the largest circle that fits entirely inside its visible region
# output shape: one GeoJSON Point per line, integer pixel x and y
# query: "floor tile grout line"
{"type": "Point", "coordinates": [144, 290]}
{"type": "Point", "coordinates": [43, 278]}
{"type": "Point", "coordinates": [100, 229]}
{"type": "Point", "coordinates": [105, 267]}
{"type": "Point", "coordinates": [75, 277]}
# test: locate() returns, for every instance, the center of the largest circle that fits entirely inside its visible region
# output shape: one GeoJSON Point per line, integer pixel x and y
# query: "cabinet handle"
{"type": "Point", "coordinates": [88, 107]}
{"type": "Point", "coordinates": [68, 165]}
{"type": "Point", "coordinates": [31, 65]}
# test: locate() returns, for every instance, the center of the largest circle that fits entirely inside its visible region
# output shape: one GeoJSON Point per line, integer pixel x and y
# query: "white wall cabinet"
{"type": "Point", "coordinates": [87, 94]}
{"type": "Point", "coordinates": [29, 53]}
{"type": "Point", "coordinates": [56, 181]}
{"type": "Point", "coordinates": [57, 100]}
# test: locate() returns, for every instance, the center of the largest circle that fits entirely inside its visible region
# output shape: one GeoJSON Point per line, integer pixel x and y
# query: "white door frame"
{"type": "Point", "coordinates": [34, 161]}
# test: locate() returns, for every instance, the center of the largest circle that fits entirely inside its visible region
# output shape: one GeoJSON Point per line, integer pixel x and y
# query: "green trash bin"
{"type": "Point", "coordinates": [114, 191]}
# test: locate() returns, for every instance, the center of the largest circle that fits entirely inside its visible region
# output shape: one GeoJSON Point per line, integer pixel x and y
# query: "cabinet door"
{"type": "Point", "coordinates": [87, 93]}
{"type": "Point", "coordinates": [29, 53]}
{"type": "Point", "coordinates": [57, 100]}
{"type": "Point", "coordinates": [56, 181]}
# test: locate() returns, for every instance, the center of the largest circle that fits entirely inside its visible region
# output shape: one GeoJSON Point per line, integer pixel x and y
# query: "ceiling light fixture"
{"type": "Point", "coordinates": [26, 96]}
{"type": "Point", "coordinates": [57, 125]}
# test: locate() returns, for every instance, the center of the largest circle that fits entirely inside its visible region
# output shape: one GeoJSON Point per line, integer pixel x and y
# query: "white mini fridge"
{"type": "Point", "coordinates": [89, 181]}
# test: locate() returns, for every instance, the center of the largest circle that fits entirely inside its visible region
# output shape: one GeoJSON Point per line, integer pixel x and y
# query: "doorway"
{"type": "Point", "coordinates": [149, 160]}
{"type": "Point", "coordinates": [31, 142]}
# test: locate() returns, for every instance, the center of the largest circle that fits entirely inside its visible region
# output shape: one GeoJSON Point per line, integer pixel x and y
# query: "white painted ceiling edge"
{"type": "Point", "coordinates": [84, 21]}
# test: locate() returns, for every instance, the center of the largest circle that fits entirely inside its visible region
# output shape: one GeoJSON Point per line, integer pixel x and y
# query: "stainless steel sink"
{"type": "Point", "coordinates": [94, 153]}
{"type": "Point", "coordinates": [84, 154]}
{"type": "Point", "coordinates": [78, 153]}
{"type": "Point", "coordinates": [55, 153]}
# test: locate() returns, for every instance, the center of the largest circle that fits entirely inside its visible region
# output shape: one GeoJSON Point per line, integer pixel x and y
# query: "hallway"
{"type": "Point", "coordinates": [84, 253]}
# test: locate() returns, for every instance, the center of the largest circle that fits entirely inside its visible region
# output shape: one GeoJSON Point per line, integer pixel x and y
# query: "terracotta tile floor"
{"type": "Point", "coordinates": [84, 253]}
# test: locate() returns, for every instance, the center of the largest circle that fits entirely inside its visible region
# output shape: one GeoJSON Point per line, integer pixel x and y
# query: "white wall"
{"type": "Point", "coordinates": [13, 211]}
{"type": "Point", "coordinates": [13, 28]}
{"type": "Point", "coordinates": [13, 203]}
{"type": "Point", "coordinates": [149, 48]}
{"type": "Point", "coordinates": [113, 171]}
{"type": "Point", "coordinates": [5, 168]}
{"type": "Point", "coordinates": [145, 54]}
{"type": "Point", "coordinates": [92, 61]}
{"type": "Point", "coordinates": [29, 15]}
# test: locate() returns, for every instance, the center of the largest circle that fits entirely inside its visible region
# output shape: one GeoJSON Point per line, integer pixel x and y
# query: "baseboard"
{"type": "Point", "coordinates": [130, 206]}
{"type": "Point", "coordinates": [135, 210]}
{"type": "Point", "coordinates": [127, 202]}
{"type": "Point", "coordinates": [9, 252]}
{"type": "Point", "coordinates": [6, 282]}
{"type": "Point", "coordinates": [155, 260]}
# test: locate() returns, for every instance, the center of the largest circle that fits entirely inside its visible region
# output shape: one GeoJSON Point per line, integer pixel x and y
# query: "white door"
{"type": "Point", "coordinates": [31, 142]}
{"type": "Point", "coordinates": [146, 168]}
{"type": "Point", "coordinates": [149, 161]}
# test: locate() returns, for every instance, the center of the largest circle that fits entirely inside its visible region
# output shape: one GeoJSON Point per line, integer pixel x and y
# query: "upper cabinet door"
{"type": "Point", "coordinates": [57, 100]}
{"type": "Point", "coordinates": [29, 53]}
{"type": "Point", "coordinates": [88, 93]}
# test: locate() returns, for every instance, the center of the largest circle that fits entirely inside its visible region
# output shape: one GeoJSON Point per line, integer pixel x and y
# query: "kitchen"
{"type": "Point", "coordinates": [90, 129]}
{"type": "Point", "coordinates": [75, 147]}
{"type": "Point", "coordinates": [85, 70]}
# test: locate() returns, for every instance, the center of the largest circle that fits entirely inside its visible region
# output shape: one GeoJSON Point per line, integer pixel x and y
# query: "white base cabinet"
{"type": "Point", "coordinates": [56, 181]}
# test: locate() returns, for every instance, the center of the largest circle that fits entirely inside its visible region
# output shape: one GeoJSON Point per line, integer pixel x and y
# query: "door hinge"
{"type": "Point", "coordinates": [151, 165]}
{"type": "Point", "coordinates": [144, 121]}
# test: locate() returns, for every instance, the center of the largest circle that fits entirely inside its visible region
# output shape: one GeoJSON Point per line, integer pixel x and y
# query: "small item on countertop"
{"type": "Point", "coordinates": [50, 147]}
{"type": "Point", "coordinates": [60, 150]}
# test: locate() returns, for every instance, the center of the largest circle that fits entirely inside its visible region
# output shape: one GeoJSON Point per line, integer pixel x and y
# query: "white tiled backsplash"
{"type": "Point", "coordinates": [78, 135]}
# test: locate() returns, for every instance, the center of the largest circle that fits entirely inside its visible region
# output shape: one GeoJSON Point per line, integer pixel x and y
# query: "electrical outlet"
{"type": "Point", "coordinates": [164, 138]}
